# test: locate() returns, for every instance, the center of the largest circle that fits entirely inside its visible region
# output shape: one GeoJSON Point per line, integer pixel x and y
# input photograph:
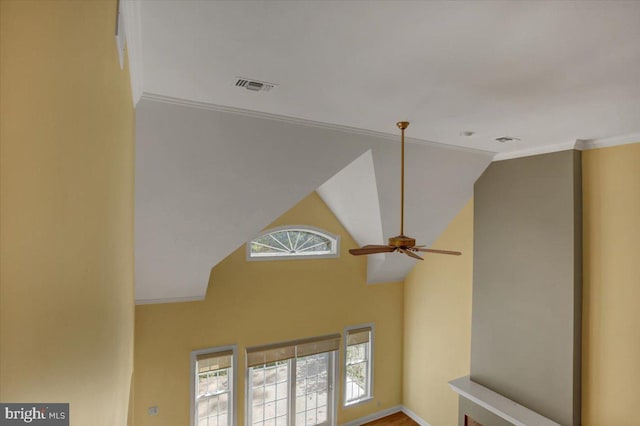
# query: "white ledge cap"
{"type": "Point", "coordinates": [499, 405]}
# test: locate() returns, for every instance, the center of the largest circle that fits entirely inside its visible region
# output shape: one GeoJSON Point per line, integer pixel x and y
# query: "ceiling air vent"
{"type": "Point", "coordinates": [505, 139]}
{"type": "Point", "coordinates": [254, 85]}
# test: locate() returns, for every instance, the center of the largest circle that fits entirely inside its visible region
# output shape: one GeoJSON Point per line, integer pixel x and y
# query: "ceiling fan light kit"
{"type": "Point", "coordinates": [400, 243]}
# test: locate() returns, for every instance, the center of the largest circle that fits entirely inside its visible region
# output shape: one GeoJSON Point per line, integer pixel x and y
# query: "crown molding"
{"type": "Point", "coordinates": [303, 122]}
{"type": "Point", "coordinates": [535, 151]}
{"type": "Point", "coordinates": [579, 144]}
{"type": "Point", "coordinates": [133, 32]}
{"type": "Point", "coordinates": [607, 142]}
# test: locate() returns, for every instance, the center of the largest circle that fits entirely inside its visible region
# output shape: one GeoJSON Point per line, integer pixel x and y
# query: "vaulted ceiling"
{"type": "Point", "coordinates": [215, 163]}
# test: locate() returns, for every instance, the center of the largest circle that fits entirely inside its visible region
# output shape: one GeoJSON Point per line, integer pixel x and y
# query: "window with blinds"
{"type": "Point", "coordinates": [213, 395]}
{"type": "Point", "coordinates": [291, 383]}
{"type": "Point", "coordinates": [358, 369]}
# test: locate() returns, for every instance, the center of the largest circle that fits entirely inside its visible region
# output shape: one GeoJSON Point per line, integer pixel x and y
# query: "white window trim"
{"type": "Point", "coordinates": [343, 385]}
{"type": "Point", "coordinates": [335, 388]}
{"type": "Point", "coordinates": [334, 238]}
{"type": "Point", "coordinates": [232, 382]}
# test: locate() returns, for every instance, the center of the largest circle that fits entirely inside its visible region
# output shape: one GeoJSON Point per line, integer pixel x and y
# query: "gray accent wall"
{"type": "Point", "coordinates": [527, 283]}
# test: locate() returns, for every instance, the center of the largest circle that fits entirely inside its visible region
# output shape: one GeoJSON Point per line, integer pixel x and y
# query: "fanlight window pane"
{"type": "Point", "coordinates": [293, 242]}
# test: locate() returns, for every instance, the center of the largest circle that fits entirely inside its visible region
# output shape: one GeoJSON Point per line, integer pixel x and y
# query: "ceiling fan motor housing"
{"type": "Point", "coordinates": [402, 241]}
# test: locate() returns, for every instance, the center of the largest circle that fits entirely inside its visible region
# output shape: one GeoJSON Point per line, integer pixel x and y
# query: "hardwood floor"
{"type": "Point", "coordinates": [395, 419]}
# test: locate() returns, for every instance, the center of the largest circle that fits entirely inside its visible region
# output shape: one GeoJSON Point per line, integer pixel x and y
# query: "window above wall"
{"type": "Point", "coordinates": [293, 242]}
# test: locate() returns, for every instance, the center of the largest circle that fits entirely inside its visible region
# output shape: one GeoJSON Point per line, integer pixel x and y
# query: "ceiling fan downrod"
{"type": "Point", "coordinates": [402, 125]}
{"type": "Point", "coordinates": [400, 243]}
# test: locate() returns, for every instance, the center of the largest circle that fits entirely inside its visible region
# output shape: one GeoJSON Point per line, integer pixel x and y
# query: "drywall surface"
{"type": "Point", "coordinates": [66, 222]}
{"type": "Point", "coordinates": [437, 324]}
{"type": "Point", "coordinates": [261, 302]}
{"type": "Point", "coordinates": [525, 341]}
{"type": "Point", "coordinates": [611, 318]}
{"type": "Point", "coordinates": [201, 172]}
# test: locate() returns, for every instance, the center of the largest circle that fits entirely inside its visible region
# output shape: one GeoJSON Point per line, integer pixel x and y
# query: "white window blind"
{"type": "Point", "coordinates": [359, 335]}
{"type": "Point", "coordinates": [291, 383]}
{"type": "Point", "coordinates": [214, 361]}
{"type": "Point", "coordinates": [213, 397]}
{"type": "Point", "coordinates": [358, 378]}
{"type": "Point", "coordinates": [260, 355]}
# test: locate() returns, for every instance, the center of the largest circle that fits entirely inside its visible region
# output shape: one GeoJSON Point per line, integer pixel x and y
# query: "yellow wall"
{"type": "Point", "coordinates": [252, 303]}
{"type": "Point", "coordinates": [437, 324]}
{"type": "Point", "coordinates": [611, 316]}
{"type": "Point", "coordinates": [66, 218]}
{"type": "Point", "coordinates": [438, 302]}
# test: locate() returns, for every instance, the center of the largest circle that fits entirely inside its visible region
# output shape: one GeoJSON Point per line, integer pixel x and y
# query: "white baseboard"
{"type": "Point", "coordinates": [416, 418]}
{"type": "Point", "coordinates": [374, 416]}
{"type": "Point", "coordinates": [385, 413]}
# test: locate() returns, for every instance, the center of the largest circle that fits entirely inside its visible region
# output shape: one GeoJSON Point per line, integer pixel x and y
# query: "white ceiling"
{"type": "Point", "coordinates": [549, 73]}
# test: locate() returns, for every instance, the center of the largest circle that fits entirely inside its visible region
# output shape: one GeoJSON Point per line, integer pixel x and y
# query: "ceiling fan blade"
{"type": "Point", "coordinates": [411, 254]}
{"type": "Point", "coordinates": [455, 253]}
{"type": "Point", "coordinates": [372, 249]}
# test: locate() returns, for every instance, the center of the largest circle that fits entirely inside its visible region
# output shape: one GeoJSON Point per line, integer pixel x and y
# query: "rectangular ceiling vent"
{"type": "Point", "coordinates": [506, 139]}
{"type": "Point", "coordinates": [254, 85]}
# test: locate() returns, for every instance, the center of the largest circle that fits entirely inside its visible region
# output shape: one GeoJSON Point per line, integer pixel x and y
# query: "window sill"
{"type": "Point", "coordinates": [358, 402]}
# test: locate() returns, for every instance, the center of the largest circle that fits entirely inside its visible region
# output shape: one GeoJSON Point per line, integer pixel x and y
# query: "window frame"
{"type": "Point", "coordinates": [369, 392]}
{"type": "Point", "coordinates": [232, 380]}
{"type": "Point", "coordinates": [334, 357]}
{"type": "Point", "coordinates": [249, 391]}
{"type": "Point", "coordinates": [335, 244]}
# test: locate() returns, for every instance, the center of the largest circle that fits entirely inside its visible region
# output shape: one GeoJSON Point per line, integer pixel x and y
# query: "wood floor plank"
{"type": "Point", "coordinates": [395, 419]}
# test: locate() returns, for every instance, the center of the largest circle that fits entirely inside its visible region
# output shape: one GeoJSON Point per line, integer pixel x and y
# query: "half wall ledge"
{"type": "Point", "coordinates": [499, 405]}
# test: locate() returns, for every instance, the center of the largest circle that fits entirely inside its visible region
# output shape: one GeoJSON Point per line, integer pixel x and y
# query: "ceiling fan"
{"type": "Point", "coordinates": [400, 243]}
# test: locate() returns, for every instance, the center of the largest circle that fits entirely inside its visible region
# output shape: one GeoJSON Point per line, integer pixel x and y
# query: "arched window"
{"type": "Point", "coordinates": [290, 242]}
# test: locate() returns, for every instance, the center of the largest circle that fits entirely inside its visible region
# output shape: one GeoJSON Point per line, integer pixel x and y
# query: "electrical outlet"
{"type": "Point", "coordinates": [153, 411]}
